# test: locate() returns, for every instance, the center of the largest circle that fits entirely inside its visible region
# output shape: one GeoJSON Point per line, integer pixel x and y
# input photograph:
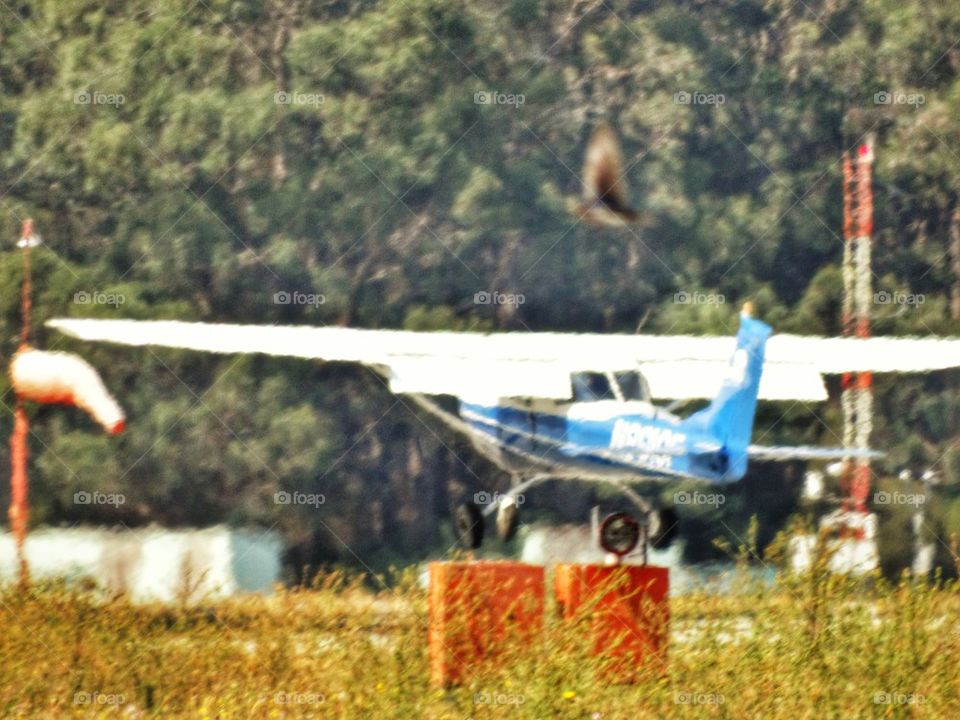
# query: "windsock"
{"type": "Point", "coordinates": [64, 378]}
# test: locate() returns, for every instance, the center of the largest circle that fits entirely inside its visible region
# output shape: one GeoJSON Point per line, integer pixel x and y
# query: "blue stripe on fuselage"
{"type": "Point", "coordinates": [648, 445]}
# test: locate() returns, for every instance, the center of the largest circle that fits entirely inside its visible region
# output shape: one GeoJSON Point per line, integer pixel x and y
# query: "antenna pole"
{"type": "Point", "coordinates": [860, 490]}
{"type": "Point", "coordinates": [857, 399]}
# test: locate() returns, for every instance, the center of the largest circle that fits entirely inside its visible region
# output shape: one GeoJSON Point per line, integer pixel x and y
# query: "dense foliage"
{"type": "Point", "coordinates": [194, 159]}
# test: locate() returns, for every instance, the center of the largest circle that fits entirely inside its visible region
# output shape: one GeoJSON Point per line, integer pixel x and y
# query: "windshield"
{"type": "Point", "coordinates": [593, 386]}
{"type": "Point", "coordinates": [588, 387]}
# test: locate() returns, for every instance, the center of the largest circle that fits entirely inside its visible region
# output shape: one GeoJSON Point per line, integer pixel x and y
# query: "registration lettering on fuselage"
{"type": "Point", "coordinates": [628, 435]}
{"type": "Point", "coordinates": [656, 461]}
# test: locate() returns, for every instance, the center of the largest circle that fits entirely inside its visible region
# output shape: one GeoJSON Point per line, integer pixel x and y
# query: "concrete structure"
{"type": "Point", "coordinates": [152, 563]}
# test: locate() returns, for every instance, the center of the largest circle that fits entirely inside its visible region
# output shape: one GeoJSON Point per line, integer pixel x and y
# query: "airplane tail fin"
{"type": "Point", "coordinates": [729, 417]}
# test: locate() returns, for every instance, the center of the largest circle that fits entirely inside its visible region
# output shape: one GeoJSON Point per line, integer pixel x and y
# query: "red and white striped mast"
{"type": "Point", "coordinates": [857, 398]}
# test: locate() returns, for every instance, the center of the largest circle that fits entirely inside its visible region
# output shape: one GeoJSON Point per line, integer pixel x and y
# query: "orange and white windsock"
{"type": "Point", "coordinates": [64, 378]}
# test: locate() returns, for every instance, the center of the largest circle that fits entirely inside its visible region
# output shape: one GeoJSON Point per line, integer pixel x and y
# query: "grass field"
{"type": "Point", "coordinates": [812, 646]}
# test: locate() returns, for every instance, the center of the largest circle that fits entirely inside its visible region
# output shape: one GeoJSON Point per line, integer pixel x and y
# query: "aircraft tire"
{"type": "Point", "coordinates": [468, 525]}
{"type": "Point", "coordinates": [508, 519]}
{"type": "Point", "coordinates": [663, 527]}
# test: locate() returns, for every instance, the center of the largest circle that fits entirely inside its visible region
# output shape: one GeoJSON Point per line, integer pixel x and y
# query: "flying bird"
{"type": "Point", "coordinates": [605, 190]}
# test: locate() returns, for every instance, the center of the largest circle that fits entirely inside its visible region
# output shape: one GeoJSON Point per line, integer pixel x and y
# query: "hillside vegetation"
{"type": "Point", "coordinates": [378, 164]}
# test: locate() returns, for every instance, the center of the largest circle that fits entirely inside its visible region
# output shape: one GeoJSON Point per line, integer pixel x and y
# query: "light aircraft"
{"type": "Point", "coordinates": [577, 406]}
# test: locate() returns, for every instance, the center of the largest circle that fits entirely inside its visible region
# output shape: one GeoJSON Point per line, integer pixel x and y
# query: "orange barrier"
{"type": "Point", "coordinates": [624, 613]}
{"type": "Point", "coordinates": [477, 610]}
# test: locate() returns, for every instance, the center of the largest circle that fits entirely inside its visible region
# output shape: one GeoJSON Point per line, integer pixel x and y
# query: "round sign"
{"type": "Point", "coordinates": [619, 533]}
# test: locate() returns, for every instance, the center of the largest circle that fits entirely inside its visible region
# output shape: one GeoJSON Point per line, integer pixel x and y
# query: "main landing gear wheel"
{"type": "Point", "coordinates": [663, 526]}
{"type": "Point", "coordinates": [468, 525]}
{"type": "Point", "coordinates": [508, 518]}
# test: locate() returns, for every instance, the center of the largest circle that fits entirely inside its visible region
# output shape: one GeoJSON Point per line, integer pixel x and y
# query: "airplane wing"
{"type": "Point", "coordinates": [677, 367]}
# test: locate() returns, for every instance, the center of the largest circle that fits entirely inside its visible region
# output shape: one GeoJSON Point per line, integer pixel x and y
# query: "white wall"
{"type": "Point", "coordinates": [153, 563]}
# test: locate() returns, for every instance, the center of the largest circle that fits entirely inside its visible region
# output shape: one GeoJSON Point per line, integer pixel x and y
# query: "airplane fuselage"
{"type": "Point", "coordinates": [604, 437]}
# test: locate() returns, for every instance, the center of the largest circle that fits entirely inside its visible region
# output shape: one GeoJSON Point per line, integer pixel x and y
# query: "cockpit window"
{"type": "Point", "coordinates": [633, 385]}
{"type": "Point", "coordinates": [593, 386]}
{"type": "Point", "coordinates": [588, 387]}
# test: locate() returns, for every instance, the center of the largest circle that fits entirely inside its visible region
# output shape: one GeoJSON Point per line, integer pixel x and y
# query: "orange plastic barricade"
{"type": "Point", "coordinates": [476, 611]}
{"type": "Point", "coordinates": [624, 613]}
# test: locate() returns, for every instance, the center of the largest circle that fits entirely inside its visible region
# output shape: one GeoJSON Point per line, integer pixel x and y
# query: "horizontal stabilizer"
{"type": "Point", "coordinates": [809, 452]}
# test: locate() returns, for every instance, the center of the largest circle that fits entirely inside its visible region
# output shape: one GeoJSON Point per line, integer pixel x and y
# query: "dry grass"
{"type": "Point", "coordinates": [813, 646]}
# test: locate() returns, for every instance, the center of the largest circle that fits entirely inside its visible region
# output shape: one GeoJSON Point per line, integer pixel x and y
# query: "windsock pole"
{"type": "Point", "coordinates": [19, 505]}
{"type": "Point", "coordinates": [52, 378]}
{"type": "Point", "coordinates": [27, 240]}
{"type": "Point", "coordinates": [19, 512]}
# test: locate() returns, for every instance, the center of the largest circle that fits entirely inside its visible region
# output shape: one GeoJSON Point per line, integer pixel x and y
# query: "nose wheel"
{"type": "Point", "coordinates": [663, 526]}
{"type": "Point", "coordinates": [508, 518]}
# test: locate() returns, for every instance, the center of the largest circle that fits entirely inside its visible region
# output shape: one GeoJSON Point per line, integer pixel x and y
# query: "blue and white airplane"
{"type": "Point", "coordinates": [567, 406]}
